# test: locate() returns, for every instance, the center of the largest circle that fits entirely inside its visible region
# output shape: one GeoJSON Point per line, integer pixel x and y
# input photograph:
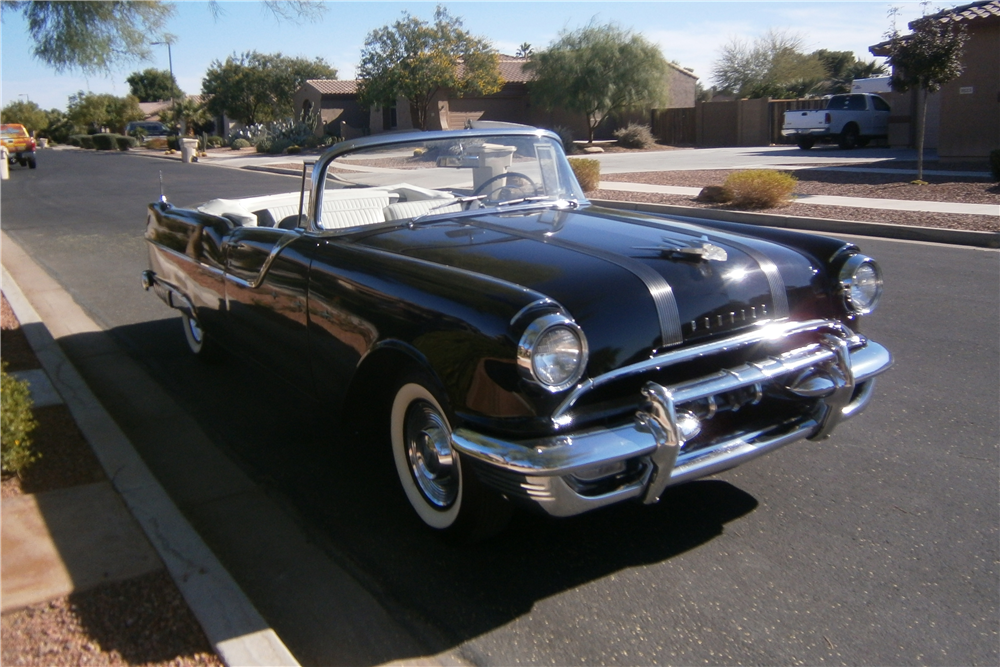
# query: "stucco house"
{"type": "Point", "coordinates": [342, 115]}
{"type": "Point", "coordinates": [964, 120]}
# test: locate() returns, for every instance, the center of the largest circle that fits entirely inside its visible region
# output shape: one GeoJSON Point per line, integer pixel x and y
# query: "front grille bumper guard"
{"type": "Point", "coordinates": [837, 374]}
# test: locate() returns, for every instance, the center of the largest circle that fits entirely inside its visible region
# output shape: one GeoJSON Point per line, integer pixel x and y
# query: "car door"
{"type": "Point", "coordinates": [880, 116]}
{"type": "Point", "coordinates": [266, 298]}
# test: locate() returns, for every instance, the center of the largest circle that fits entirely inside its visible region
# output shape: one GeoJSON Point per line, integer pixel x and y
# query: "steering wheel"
{"type": "Point", "coordinates": [507, 191]}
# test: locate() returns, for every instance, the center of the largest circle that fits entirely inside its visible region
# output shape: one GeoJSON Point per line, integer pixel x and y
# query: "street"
{"type": "Point", "coordinates": [877, 546]}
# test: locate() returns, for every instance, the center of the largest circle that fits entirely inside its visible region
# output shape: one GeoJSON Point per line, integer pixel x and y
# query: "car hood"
{"type": "Point", "coordinates": [634, 283]}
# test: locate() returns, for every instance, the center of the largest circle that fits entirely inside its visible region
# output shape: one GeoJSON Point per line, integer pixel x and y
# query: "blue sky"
{"type": "Point", "coordinates": [689, 33]}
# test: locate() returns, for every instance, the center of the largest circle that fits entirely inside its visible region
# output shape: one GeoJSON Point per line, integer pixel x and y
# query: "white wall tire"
{"type": "Point", "coordinates": [439, 511]}
{"type": "Point", "coordinates": [446, 497]}
{"type": "Point", "coordinates": [198, 342]}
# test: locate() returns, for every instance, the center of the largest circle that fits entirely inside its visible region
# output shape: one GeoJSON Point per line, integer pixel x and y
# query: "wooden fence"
{"type": "Point", "coordinates": [726, 123]}
{"type": "Point", "coordinates": [674, 127]}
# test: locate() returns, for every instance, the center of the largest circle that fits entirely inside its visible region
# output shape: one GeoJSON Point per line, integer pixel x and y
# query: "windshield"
{"type": "Point", "coordinates": [420, 176]}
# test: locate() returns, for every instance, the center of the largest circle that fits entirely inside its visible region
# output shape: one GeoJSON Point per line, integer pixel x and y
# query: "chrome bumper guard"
{"type": "Point", "coordinates": [837, 373]}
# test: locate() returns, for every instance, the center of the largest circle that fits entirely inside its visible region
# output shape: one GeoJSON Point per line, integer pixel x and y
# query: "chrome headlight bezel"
{"type": "Point", "coordinates": [534, 335]}
{"type": "Point", "coordinates": [849, 282]}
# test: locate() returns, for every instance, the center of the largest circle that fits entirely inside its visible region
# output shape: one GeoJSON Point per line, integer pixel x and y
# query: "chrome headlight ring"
{"type": "Point", "coordinates": [861, 284]}
{"type": "Point", "coordinates": [552, 353]}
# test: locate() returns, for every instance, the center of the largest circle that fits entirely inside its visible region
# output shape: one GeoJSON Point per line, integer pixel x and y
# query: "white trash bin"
{"type": "Point", "coordinates": [4, 167]}
{"type": "Point", "coordinates": [188, 149]}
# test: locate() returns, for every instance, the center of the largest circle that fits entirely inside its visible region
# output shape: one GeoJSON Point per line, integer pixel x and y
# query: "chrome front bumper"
{"type": "Point", "coordinates": [557, 473]}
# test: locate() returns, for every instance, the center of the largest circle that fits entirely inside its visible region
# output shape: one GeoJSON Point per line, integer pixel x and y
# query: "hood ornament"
{"type": "Point", "coordinates": [697, 250]}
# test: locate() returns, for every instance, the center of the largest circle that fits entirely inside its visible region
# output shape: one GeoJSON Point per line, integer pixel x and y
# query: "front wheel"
{"type": "Point", "coordinates": [446, 497]}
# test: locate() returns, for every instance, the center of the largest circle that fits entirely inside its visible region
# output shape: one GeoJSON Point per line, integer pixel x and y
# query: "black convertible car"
{"type": "Point", "coordinates": [514, 342]}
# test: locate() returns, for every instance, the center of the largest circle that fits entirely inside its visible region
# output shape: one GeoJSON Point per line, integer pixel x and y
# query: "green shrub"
{"type": "Point", "coordinates": [294, 150]}
{"type": "Point", "coordinates": [587, 172]}
{"type": "Point", "coordinates": [16, 424]}
{"type": "Point", "coordinates": [995, 164]}
{"type": "Point", "coordinates": [760, 188]}
{"type": "Point", "coordinates": [82, 141]}
{"type": "Point", "coordinates": [104, 142]}
{"type": "Point", "coordinates": [215, 141]}
{"type": "Point", "coordinates": [634, 135]}
{"type": "Point", "coordinates": [124, 143]}
{"type": "Point", "coordinates": [173, 143]}
{"type": "Point", "coordinates": [240, 143]}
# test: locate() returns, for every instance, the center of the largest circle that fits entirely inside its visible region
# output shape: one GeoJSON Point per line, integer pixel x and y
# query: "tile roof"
{"type": "Point", "coordinates": [976, 11]}
{"type": "Point", "coordinates": [334, 86]}
{"type": "Point", "coordinates": [970, 12]}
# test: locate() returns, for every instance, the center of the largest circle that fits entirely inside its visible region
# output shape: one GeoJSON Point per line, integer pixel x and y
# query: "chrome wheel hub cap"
{"type": "Point", "coordinates": [428, 449]}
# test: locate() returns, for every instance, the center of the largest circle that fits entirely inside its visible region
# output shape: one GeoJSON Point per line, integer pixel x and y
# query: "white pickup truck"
{"type": "Point", "coordinates": [850, 120]}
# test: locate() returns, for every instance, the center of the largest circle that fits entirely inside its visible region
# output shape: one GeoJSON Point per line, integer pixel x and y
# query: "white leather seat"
{"type": "Point", "coordinates": [411, 209]}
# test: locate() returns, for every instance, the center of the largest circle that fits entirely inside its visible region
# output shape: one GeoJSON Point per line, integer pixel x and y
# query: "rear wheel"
{"type": "Point", "coordinates": [199, 344]}
{"type": "Point", "coordinates": [805, 143]}
{"type": "Point", "coordinates": [31, 163]}
{"type": "Point", "coordinates": [849, 137]}
{"type": "Point", "coordinates": [447, 497]}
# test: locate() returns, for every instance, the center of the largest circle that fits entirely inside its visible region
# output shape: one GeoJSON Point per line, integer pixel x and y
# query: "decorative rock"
{"type": "Point", "coordinates": [593, 149]}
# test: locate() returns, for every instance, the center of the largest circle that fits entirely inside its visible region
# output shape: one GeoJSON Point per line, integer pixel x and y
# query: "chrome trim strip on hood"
{"type": "Point", "coordinates": [663, 295]}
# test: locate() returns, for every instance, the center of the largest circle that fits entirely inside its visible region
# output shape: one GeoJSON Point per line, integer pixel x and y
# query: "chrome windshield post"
{"type": "Point", "coordinates": [661, 421]}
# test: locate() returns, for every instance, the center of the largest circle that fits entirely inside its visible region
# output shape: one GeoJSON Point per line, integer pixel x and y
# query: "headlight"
{"type": "Point", "coordinates": [552, 352]}
{"type": "Point", "coordinates": [861, 282]}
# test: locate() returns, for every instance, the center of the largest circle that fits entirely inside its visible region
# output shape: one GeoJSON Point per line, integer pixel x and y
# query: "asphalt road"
{"type": "Point", "coordinates": [878, 546]}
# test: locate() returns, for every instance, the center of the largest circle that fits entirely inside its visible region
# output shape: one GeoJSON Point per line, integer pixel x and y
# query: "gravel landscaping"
{"type": "Point", "coordinates": [142, 621]}
{"type": "Point", "coordinates": [840, 184]}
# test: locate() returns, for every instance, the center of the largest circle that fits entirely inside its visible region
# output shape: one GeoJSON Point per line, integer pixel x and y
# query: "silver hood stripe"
{"type": "Point", "coordinates": [663, 295]}
{"type": "Point", "coordinates": [775, 283]}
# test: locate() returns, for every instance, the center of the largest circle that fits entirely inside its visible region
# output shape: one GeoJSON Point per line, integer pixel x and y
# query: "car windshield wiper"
{"type": "Point", "coordinates": [570, 203]}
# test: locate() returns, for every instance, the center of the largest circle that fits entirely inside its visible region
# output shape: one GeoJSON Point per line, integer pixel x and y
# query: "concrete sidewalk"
{"type": "Point", "coordinates": [49, 552]}
{"type": "Point", "coordinates": [824, 200]}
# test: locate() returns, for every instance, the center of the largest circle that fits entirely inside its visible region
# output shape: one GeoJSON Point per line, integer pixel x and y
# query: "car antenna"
{"type": "Point", "coordinates": [163, 197]}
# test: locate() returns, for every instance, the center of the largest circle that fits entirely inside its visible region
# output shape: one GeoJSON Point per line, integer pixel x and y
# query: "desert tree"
{"type": "Point", "coordinates": [599, 71]}
{"type": "Point", "coordinates": [153, 85]}
{"type": "Point", "coordinates": [255, 87]}
{"type": "Point", "coordinates": [96, 36]}
{"type": "Point", "coordinates": [926, 60]}
{"type": "Point", "coordinates": [772, 65]}
{"type": "Point", "coordinates": [414, 60]}
{"type": "Point", "coordinates": [29, 114]}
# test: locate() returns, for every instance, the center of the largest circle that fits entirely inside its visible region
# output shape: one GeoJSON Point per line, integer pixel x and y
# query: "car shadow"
{"type": "Point", "coordinates": [340, 489]}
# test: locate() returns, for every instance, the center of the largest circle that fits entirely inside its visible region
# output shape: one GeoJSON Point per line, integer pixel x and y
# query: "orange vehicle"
{"type": "Point", "coordinates": [19, 144]}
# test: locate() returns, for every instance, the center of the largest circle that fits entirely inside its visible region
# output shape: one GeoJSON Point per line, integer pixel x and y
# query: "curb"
{"type": "Point", "coordinates": [236, 630]}
{"type": "Point", "coordinates": [826, 225]}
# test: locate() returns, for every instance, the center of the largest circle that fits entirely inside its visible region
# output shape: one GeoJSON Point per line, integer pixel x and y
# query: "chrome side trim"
{"type": "Point", "coordinates": [187, 258]}
{"type": "Point", "coordinates": [281, 244]}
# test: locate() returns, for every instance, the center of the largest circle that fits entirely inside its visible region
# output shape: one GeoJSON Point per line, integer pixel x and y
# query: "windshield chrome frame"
{"type": "Point", "coordinates": [318, 184]}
